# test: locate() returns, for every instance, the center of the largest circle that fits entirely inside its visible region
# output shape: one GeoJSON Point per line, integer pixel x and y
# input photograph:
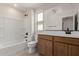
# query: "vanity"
{"type": "Point", "coordinates": [58, 45]}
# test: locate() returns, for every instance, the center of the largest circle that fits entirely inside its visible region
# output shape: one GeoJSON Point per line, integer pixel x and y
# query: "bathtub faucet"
{"type": "Point", "coordinates": [26, 35]}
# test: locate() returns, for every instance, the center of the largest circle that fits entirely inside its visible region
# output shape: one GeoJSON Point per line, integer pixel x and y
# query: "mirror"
{"type": "Point", "coordinates": [61, 21]}
{"type": "Point", "coordinates": [68, 22]}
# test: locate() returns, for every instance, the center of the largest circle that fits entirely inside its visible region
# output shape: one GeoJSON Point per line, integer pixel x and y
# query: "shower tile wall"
{"type": "Point", "coordinates": [11, 30]}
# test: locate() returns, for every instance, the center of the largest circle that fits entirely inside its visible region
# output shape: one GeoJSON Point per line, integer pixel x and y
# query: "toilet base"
{"type": "Point", "coordinates": [31, 50]}
{"type": "Point", "coordinates": [32, 47]}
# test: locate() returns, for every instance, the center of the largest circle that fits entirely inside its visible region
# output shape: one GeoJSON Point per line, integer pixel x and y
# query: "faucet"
{"type": "Point", "coordinates": [68, 31]}
{"type": "Point", "coordinates": [26, 35]}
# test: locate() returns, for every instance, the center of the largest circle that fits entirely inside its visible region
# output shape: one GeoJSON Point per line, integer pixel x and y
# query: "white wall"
{"type": "Point", "coordinates": [29, 24]}
{"type": "Point", "coordinates": [11, 24]}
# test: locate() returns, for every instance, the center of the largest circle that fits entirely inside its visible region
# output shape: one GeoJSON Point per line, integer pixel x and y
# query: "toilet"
{"type": "Point", "coordinates": [31, 46]}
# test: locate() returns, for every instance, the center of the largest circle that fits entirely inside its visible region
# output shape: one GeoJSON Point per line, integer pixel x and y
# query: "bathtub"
{"type": "Point", "coordinates": [12, 49]}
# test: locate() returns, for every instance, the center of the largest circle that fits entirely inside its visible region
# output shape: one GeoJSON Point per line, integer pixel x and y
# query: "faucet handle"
{"type": "Point", "coordinates": [25, 36]}
{"type": "Point", "coordinates": [26, 39]}
{"type": "Point", "coordinates": [26, 33]}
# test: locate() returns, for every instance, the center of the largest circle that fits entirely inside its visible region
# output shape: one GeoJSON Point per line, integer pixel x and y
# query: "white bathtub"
{"type": "Point", "coordinates": [12, 48]}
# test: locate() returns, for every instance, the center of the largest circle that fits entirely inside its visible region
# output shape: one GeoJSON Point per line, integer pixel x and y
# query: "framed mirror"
{"type": "Point", "coordinates": [68, 22]}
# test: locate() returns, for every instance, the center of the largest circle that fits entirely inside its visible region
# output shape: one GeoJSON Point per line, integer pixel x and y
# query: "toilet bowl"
{"type": "Point", "coordinates": [31, 46]}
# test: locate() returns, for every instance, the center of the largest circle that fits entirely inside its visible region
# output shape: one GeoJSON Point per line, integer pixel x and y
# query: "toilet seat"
{"type": "Point", "coordinates": [32, 42]}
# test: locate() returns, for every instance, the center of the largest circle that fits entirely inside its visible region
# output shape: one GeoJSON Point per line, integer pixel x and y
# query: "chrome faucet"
{"type": "Point", "coordinates": [26, 35]}
{"type": "Point", "coordinates": [68, 31]}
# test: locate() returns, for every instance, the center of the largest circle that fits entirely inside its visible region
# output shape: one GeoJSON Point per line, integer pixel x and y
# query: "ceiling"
{"type": "Point", "coordinates": [25, 6]}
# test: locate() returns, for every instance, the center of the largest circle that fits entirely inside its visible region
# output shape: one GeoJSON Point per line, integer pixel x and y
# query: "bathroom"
{"type": "Point", "coordinates": [23, 24]}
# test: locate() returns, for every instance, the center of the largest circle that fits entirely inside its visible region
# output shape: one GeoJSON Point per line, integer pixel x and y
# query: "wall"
{"type": "Point", "coordinates": [11, 24]}
{"type": "Point", "coordinates": [10, 11]}
{"type": "Point", "coordinates": [29, 24]}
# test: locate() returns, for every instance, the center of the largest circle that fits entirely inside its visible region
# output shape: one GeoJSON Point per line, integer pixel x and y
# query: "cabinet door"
{"type": "Point", "coordinates": [41, 46]}
{"type": "Point", "coordinates": [60, 49]}
{"type": "Point", "coordinates": [73, 50]}
{"type": "Point", "coordinates": [49, 49]}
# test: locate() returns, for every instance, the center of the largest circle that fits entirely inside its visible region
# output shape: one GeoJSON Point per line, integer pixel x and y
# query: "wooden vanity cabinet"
{"type": "Point", "coordinates": [41, 46]}
{"type": "Point", "coordinates": [74, 47]}
{"type": "Point", "coordinates": [64, 46]}
{"type": "Point", "coordinates": [60, 49]}
{"type": "Point", "coordinates": [73, 50]}
{"type": "Point", "coordinates": [49, 48]}
{"type": "Point", "coordinates": [45, 45]}
{"type": "Point", "coordinates": [58, 45]}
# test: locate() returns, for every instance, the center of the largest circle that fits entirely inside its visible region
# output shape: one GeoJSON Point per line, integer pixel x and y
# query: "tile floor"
{"type": "Point", "coordinates": [23, 53]}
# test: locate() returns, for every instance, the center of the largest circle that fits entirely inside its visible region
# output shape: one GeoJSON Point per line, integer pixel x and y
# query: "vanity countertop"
{"type": "Point", "coordinates": [59, 33]}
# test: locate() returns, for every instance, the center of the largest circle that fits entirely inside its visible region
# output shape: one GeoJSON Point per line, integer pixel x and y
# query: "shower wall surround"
{"type": "Point", "coordinates": [11, 29]}
{"type": "Point", "coordinates": [11, 25]}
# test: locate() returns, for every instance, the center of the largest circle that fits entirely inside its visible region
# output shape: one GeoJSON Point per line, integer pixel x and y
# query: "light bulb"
{"type": "Point", "coordinates": [15, 5]}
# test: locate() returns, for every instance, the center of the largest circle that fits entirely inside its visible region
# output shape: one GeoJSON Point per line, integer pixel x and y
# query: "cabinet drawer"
{"type": "Point", "coordinates": [41, 41]}
{"type": "Point", "coordinates": [74, 41]}
{"type": "Point", "coordinates": [61, 39]}
{"type": "Point", "coordinates": [44, 37]}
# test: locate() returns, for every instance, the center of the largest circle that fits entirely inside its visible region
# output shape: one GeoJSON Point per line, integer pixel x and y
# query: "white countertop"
{"type": "Point", "coordinates": [60, 33]}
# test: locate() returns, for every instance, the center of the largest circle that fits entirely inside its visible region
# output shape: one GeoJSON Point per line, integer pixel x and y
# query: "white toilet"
{"type": "Point", "coordinates": [31, 46]}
